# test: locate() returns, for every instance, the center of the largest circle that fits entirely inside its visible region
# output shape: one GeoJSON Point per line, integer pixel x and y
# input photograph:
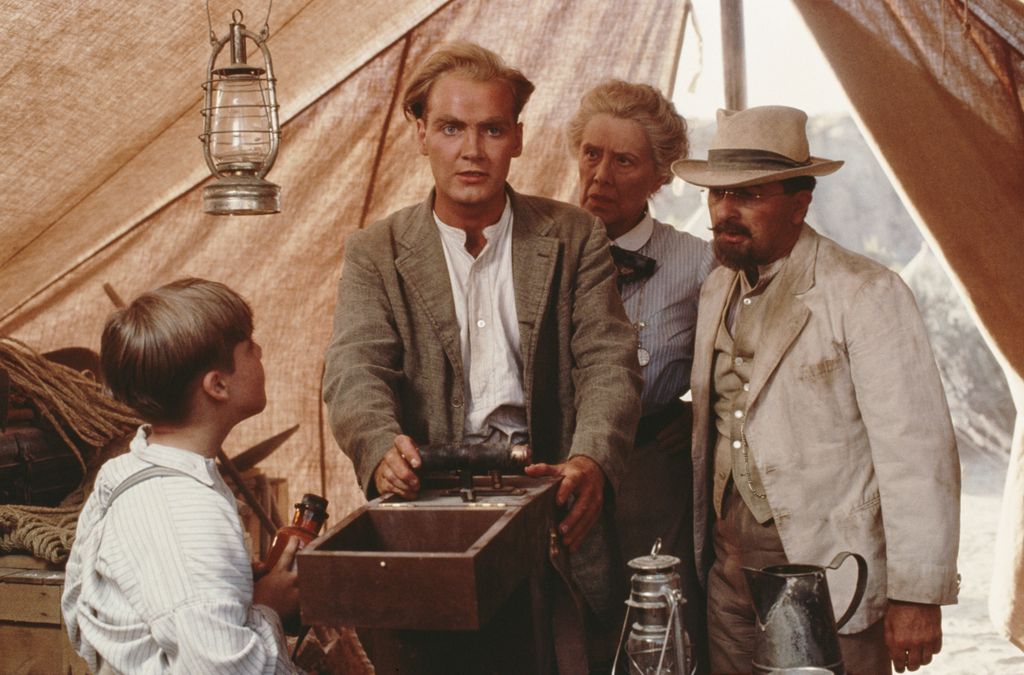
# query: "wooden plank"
{"type": "Point", "coordinates": [38, 648]}
{"type": "Point", "coordinates": [29, 603]}
{"type": "Point", "coordinates": [29, 648]}
{"type": "Point", "coordinates": [37, 577]}
{"type": "Point", "coordinates": [25, 561]}
{"type": "Point", "coordinates": [33, 636]}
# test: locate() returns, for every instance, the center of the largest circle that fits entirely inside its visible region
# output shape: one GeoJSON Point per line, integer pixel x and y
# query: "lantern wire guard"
{"type": "Point", "coordinates": [241, 129]}
{"type": "Point", "coordinates": [658, 643]}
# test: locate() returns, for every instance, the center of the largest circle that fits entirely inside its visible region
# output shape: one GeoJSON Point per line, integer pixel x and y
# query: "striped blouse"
{"type": "Point", "coordinates": [162, 583]}
{"type": "Point", "coordinates": [663, 308]}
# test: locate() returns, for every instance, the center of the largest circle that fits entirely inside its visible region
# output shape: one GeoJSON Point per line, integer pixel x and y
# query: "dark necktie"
{"type": "Point", "coordinates": [631, 266]}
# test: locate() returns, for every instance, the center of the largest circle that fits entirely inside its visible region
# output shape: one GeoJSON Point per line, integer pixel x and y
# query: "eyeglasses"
{"type": "Point", "coordinates": [742, 196]}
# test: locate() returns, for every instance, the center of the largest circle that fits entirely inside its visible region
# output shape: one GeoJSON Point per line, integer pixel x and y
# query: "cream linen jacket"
{"type": "Point", "coordinates": [848, 425]}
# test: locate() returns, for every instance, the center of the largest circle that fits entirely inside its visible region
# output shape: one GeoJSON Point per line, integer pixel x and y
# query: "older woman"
{"type": "Point", "coordinates": [626, 137]}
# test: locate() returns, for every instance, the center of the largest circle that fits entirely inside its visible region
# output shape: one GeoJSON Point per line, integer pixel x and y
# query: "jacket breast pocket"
{"type": "Point", "coordinates": [822, 371]}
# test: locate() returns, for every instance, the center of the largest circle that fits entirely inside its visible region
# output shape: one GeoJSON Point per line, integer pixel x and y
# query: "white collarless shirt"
{"type": "Point", "coordinates": [485, 308]}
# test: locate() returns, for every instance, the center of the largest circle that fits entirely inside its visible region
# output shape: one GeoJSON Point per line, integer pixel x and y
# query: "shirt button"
{"type": "Point", "coordinates": [481, 323]}
{"type": "Point", "coordinates": [737, 444]}
{"type": "Point", "coordinates": [738, 413]}
{"type": "Point", "coordinates": [747, 301]}
{"type": "Point", "coordinates": [457, 402]}
{"type": "Point", "coordinates": [746, 386]}
{"type": "Point", "coordinates": [738, 360]}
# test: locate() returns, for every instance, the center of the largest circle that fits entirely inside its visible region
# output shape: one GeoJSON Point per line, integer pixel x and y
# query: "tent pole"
{"type": "Point", "coordinates": [733, 54]}
{"type": "Point", "coordinates": [687, 8]}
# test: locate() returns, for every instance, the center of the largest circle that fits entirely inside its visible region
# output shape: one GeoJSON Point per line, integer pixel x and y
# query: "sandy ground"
{"type": "Point", "coordinates": [971, 645]}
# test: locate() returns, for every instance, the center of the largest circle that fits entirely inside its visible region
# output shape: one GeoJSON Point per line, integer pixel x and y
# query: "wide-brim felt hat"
{"type": "Point", "coordinates": [755, 146]}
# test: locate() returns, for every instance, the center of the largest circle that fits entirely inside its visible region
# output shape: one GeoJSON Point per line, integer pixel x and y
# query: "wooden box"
{"type": "Point", "coordinates": [436, 563]}
{"type": "Point", "coordinates": [33, 638]}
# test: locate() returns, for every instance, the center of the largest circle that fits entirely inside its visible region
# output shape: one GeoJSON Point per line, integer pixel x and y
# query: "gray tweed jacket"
{"type": "Point", "coordinates": [394, 363]}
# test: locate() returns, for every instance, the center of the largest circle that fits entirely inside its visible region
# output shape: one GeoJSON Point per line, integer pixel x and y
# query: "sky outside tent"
{"type": "Point", "coordinates": [784, 64]}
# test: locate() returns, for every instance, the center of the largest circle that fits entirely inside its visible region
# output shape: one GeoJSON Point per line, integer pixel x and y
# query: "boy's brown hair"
{"type": "Point", "coordinates": [154, 351]}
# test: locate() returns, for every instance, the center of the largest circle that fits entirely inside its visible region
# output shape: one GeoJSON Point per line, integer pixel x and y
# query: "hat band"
{"type": "Point", "coordinates": [741, 158]}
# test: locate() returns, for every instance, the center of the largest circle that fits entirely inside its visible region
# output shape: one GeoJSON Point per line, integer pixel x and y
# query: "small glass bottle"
{"type": "Point", "coordinates": [309, 518]}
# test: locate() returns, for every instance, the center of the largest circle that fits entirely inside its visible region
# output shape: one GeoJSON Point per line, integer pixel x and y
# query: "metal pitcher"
{"type": "Point", "coordinates": [795, 624]}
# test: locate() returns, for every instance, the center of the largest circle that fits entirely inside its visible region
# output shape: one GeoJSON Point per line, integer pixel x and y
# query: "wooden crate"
{"type": "Point", "coordinates": [32, 630]}
{"type": "Point", "coordinates": [436, 563]}
{"type": "Point", "coordinates": [438, 586]}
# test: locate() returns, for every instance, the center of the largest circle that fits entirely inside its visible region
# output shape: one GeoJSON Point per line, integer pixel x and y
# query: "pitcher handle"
{"type": "Point", "coordinates": [862, 582]}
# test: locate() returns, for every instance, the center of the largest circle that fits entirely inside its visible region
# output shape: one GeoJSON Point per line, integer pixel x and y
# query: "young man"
{"type": "Point", "coordinates": [820, 422]}
{"type": "Point", "coordinates": [159, 578]}
{"type": "Point", "coordinates": [485, 315]}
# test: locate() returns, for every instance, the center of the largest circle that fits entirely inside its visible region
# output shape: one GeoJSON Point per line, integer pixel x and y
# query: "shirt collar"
{"type": "Point", "coordinates": [765, 274]}
{"type": "Point", "coordinates": [637, 237]}
{"type": "Point", "coordinates": [201, 468]}
{"type": "Point", "coordinates": [491, 232]}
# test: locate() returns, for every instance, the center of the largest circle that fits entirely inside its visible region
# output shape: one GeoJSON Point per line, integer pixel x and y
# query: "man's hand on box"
{"type": "Point", "coordinates": [395, 473]}
{"type": "Point", "coordinates": [582, 479]}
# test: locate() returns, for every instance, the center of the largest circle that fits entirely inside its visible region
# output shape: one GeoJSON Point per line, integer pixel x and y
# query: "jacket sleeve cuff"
{"type": "Point", "coordinates": [928, 584]}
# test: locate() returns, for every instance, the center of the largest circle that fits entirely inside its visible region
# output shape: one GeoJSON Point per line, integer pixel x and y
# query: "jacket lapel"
{"type": "Point", "coordinates": [421, 263]}
{"type": "Point", "coordinates": [713, 302]}
{"type": "Point", "coordinates": [534, 255]}
{"type": "Point", "coordinates": [789, 314]}
{"type": "Point", "coordinates": [712, 306]}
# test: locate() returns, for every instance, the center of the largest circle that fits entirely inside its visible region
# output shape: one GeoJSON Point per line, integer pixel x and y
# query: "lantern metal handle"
{"type": "Point", "coordinates": [264, 32]}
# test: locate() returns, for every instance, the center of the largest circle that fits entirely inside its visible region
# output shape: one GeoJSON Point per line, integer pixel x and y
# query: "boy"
{"type": "Point", "coordinates": [159, 578]}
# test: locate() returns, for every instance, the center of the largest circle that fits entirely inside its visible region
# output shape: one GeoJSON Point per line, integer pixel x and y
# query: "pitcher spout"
{"type": "Point", "coordinates": [765, 588]}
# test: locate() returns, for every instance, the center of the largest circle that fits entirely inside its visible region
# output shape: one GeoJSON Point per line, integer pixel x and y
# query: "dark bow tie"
{"type": "Point", "coordinates": [631, 266]}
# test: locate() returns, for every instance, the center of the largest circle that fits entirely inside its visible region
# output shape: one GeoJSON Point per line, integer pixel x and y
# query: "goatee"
{"type": "Point", "coordinates": [733, 256]}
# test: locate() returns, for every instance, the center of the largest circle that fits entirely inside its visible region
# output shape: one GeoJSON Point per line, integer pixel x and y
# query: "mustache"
{"type": "Point", "coordinates": [730, 228]}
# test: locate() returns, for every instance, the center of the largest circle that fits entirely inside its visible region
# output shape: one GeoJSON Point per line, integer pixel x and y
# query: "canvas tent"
{"type": "Point", "coordinates": [103, 171]}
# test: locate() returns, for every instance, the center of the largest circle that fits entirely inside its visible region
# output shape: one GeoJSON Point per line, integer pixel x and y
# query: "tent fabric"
{"type": "Point", "coordinates": [125, 206]}
{"type": "Point", "coordinates": [937, 88]}
{"type": "Point", "coordinates": [114, 135]}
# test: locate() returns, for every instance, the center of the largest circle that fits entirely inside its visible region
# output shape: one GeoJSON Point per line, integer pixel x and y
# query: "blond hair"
{"type": "Point", "coordinates": [664, 128]}
{"type": "Point", "coordinates": [468, 60]}
{"type": "Point", "coordinates": [154, 351]}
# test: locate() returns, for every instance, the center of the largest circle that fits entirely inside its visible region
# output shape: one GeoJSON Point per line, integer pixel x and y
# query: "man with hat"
{"type": "Point", "coordinates": [820, 422]}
